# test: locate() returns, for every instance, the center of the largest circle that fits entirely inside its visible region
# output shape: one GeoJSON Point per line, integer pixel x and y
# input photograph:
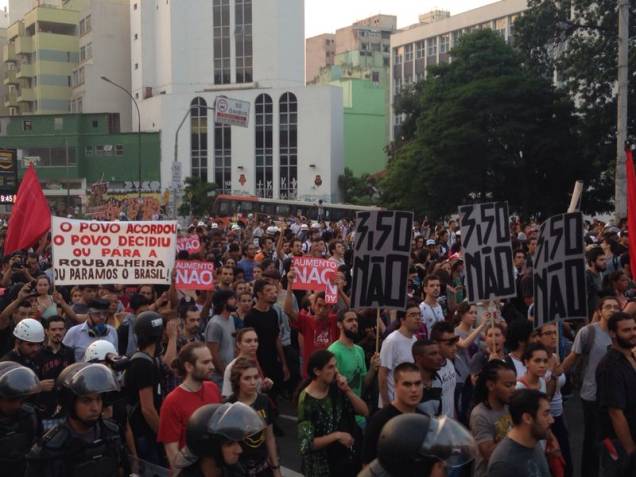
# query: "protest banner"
{"type": "Point", "coordinates": [559, 270]}
{"type": "Point", "coordinates": [316, 274]}
{"type": "Point", "coordinates": [190, 244]}
{"type": "Point", "coordinates": [487, 251]}
{"type": "Point", "coordinates": [89, 252]}
{"type": "Point", "coordinates": [382, 249]}
{"type": "Point", "coordinates": [194, 275]}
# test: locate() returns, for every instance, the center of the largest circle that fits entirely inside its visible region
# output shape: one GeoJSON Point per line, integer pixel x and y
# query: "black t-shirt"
{"type": "Point", "coordinates": [266, 326]}
{"type": "Point", "coordinates": [616, 389]}
{"type": "Point", "coordinates": [254, 447]}
{"type": "Point", "coordinates": [6, 340]}
{"type": "Point", "coordinates": [142, 373]}
{"type": "Point", "coordinates": [372, 433]}
{"type": "Point", "coordinates": [51, 365]}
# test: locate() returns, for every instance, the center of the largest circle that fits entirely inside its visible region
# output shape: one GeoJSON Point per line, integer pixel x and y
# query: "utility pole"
{"type": "Point", "coordinates": [620, 186]}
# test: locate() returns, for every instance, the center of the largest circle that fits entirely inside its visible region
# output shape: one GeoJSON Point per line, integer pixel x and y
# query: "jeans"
{"type": "Point", "coordinates": [590, 454]}
{"type": "Point", "coordinates": [560, 431]}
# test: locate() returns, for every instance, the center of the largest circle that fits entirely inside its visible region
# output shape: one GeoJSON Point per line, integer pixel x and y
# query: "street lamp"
{"type": "Point", "coordinates": [138, 129]}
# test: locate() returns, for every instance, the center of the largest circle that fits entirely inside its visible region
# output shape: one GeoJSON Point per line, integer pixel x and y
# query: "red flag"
{"type": "Point", "coordinates": [30, 217]}
{"type": "Point", "coordinates": [631, 209]}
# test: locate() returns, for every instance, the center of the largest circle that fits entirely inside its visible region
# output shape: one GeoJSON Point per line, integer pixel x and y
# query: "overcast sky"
{"type": "Point", "coordinates": [327, 15]}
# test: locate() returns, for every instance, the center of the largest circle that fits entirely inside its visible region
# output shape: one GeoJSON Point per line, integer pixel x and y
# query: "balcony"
{"type": "Point", "coordinates": [8, 52]}
{"type": "Point", "coordinates": [23, 45]}
{"type": "Point", "coordinates": [25, 71]}
{"type": "Point", "coordinates": [9, 77]}
{"type": "Point", "coordinates": [26, 95]}
{"type": "Point", "coordinates": [10, 99]}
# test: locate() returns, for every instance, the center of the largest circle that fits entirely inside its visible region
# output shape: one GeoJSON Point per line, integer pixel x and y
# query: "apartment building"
{"type": "Point", "coordinates": [415, 48]}
{"type": "Point", "coordinates": [320, 53]}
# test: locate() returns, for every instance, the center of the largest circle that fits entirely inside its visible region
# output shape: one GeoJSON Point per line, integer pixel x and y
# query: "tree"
{"type": "Point", "coordinates": [358, 190]}
{"type": "Point", "coordinates": [576, 42]}
{"type": "Point", "coordinates": [197, 198]}
{"type": "Point", "coordinates": [487, 129]}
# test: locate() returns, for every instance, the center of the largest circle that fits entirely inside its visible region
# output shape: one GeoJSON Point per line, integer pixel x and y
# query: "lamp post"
{"type": "Point", "coordinates": [138, 129]}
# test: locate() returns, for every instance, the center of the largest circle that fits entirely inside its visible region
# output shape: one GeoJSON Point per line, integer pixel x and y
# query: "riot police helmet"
{"type": "Point", "coordinates": [410, 444]}
{"type": "Point", "coordinates": [17, 381]}
{"type": "Point", "coordinates": [87, 378]}
{"type": "Point", "coordinates": [214, 424]}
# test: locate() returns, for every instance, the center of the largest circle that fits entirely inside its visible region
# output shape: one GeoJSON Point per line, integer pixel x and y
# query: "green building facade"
{"type": "Point", "coordinates": [72, 152]}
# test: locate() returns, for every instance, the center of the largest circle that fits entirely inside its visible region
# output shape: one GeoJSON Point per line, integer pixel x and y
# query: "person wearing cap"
{"type": "Point", "coordinates": [85, 443]}
{"type": "Point", "coordinates": [215, 434]}
{"type": "Point", "coordinates": [29, 336]}
{"type": "Point", "coordinates": [19, 425]}
{"type": "Point", "coordinates": [94, 328]}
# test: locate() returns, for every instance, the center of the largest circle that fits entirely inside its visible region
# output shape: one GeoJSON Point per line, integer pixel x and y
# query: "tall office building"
{"type": "Point", "coordinates": [415, 48]}
{"type": "Point", "coordinates": [183, 59]}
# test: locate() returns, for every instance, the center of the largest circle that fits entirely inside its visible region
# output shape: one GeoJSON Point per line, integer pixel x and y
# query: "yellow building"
{"type": "Point", "coordinates": [42, 50]}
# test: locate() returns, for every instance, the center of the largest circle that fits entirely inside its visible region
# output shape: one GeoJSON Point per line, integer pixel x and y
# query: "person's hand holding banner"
{"type": "Point", "coordinates": [194, 275]}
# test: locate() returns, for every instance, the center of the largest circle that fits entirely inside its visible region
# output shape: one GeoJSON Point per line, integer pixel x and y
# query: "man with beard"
{"type": "Point", "coordinates": [194, 365]}
{"type": "Point", "coordinates": [94, 328]}
{"type": "Point", "coordinates": [29, 336]}
{"type": "Point", "coordinates": [350, 359]}
{"type": "Point", "coordinates": [85, 443]}
{"type": "Point", "coordinates": [430, 308]}
{"type": "Point", "coordinates": [226, 278]}
{"type": "Point", "coordinates": [616, 384]}
{"type": "Point", "coordinates": [219, 332]}
{"type": "Point", "coordinates": [520, 453]}
{"type": "Point", "coordinates": [596, 266]}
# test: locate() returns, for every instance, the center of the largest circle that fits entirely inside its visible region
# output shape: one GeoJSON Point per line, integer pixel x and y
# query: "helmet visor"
{"type": "Point", "coordinates": [449, 441]}
{"type": "Point", "coordinates": [235, 422]}
{"type": "Point", "coordinates": [93, 378]}
{"type": "Point", "coordinates": [18, 382]}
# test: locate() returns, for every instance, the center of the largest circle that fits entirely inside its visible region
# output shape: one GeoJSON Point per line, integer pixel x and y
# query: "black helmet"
{"type": "Point", "coordinates": [149, 327]}
{"type": "Point", "coordinates": [212, 424]}
{"type": "Point", "coordinates": [411, 443]}
{"type": "Point", "coordinates": [17, 381]}
{"type": "Point", "coordinates": [87, 378]}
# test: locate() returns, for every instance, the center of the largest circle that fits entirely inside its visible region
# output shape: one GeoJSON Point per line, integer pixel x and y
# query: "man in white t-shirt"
{"type": "Point", "coordinates": [443, 333]}
{"type": "Point", "coordinates": [396, 349]}
{"type": "Point", "coordinates": [430, 309]}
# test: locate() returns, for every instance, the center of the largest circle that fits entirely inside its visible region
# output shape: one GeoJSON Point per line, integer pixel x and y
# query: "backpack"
{"type": "Point", "coordinates": [578, 372]}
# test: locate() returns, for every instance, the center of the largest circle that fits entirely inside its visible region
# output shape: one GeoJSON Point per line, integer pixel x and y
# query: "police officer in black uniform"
{"type": "Point", "coordinates": [84, 444]}
{"type": "Point", "coordinates": [19, 425]}
{"type": "Point", "coordinates": [416, 445]}
{"type": "Point", "coordinates": [213, 439]}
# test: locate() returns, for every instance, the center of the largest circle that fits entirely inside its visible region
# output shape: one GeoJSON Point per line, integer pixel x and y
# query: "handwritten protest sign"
{"type": "Point", "coordinates": [559, 270]}
{"type": "Point", "coordinates": [190, 244]}
{"type": "Point", "coordinates": [382, 247]}
{"type": "Point", "coordinates": [487, 251]}
{"type": "Point", "coordinates": [194, 275]}
{"type": "Point", "coordinates": [316, 274]}
{"type": "Point", "coordinates": [89, 252]}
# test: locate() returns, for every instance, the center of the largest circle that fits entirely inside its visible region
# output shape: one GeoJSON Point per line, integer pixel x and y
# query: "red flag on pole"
{"type": "Point", "coordinates": [30, 216]}
{"type": "Point", "coordinates": [631, 209]}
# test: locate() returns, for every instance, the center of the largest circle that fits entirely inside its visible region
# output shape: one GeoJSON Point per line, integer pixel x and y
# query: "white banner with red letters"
{"type": "Point", "coordinates": [87, 252]}
{"type": "Point", "coordinates": [316, 274]}
{"type": "Point", "coordinates": [194, 275]}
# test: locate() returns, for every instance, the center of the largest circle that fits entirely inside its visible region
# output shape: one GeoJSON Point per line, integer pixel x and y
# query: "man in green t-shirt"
{"type": "Point", "coordinates": [350, 358]}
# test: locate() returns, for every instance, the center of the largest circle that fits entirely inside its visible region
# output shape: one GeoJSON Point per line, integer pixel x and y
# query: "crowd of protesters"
{"type": "Point", "coordinates": [174, 356]}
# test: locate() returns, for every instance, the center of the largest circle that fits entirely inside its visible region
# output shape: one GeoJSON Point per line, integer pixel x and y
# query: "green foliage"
{"type": "Point", "coordinates": [358, 190]}
{"type": "Point", "coordinates": [197, 199]}
{"type": "Point", "coordinates": [485, 128]}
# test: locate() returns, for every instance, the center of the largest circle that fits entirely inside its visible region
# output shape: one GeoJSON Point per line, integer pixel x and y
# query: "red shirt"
{"type": "Point", "coordinates": [317, 334]}
{"type": "Point", "coordinates": [179, 406]}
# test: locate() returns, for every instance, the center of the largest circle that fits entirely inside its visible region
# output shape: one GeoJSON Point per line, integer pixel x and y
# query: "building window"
{"type": "Point", "coordinates": [88, 24]}
{"type": "Point", "coordinates": [80, 105]}
{"type": "Point", "coordinates": [134, 6]}
{"type": "Point", "coordinates": [408, 53]}
{"type": "Point", "coordinates": [119, 150]}
{"type": "Point", "coordinates": [264, 146]}
{"type": "Point", "coordinates": [88, 151]}
{"type": "Point", "coordinates": [223, 157]}
{"type": "Point", "coordinates": [288, 146]}
{"type": "Point", "coordinates": [99, 150]}
{"type": "Point", "coordinates": [444, 44]}
{"type": "Point", "coordinates": [243, 20]}
{"type": "Point", "coordinates": [82, 54]}
{"type": "Point", "coordinates": [136, 66]}
{"type": "Point", "coordinates": [58, 124]}
{"type": "Point", "coordinates": [221, 20]}
{"type": "Point", "coordinates": [432, 46]}
{"type": "Point", "coordinates": [199, 138]}
{"type": "Point", "coordinates": [420, 49]}
{"type": "Point", "coordinates": [136, 36]}
{"type": "Point", "coordinates": [27, 125]}
{"type": "Point", "coordinates": [89, 51]}
{"type": "Point", "coordinates": [375, 76]}
{"type": "Point", "coordinates": [82, 27]}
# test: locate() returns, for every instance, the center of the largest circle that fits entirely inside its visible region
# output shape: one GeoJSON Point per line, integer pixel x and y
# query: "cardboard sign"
{"type": "Point", "coordinates": [316, 274]}
{"type": "Point", "coordinates": [559, 270]}
{"type": "Point", "coordinates": [487, 251]}
{"type": "Point", "coordinates": [382, 249]}
{"type": "Point", "coordinates": [194, 275]}
{"type": "Point", "coordinates": [190, 244]}
{"type": "Point", "coordinates": [89, 252]}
